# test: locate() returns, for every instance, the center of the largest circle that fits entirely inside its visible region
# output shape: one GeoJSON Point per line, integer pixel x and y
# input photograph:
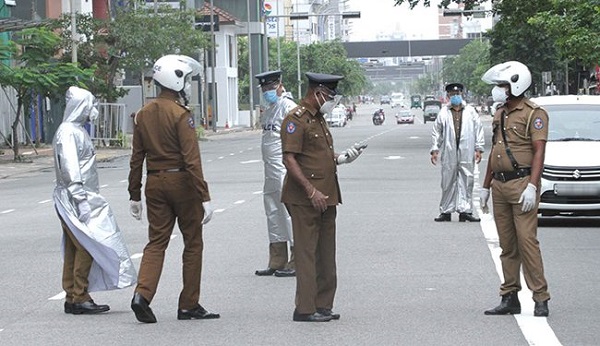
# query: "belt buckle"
{"type": "Point", "coordinates": [502, 177]}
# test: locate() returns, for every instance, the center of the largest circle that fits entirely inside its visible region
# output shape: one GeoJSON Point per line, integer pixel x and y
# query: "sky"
{"type": "Point", "coordinates": [381, 16]}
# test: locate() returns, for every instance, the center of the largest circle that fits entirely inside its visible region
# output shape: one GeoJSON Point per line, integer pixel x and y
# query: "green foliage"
{"type": "Point", "coordinates": [327, 57]}
{"type": "Point", "coordinates": [468, 67]}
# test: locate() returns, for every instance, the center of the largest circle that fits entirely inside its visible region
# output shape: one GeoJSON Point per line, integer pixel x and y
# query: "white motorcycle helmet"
{"type": "Point", "coordinates": [175, 72]}
{"type": "Point", "coordinates": [514, 73]}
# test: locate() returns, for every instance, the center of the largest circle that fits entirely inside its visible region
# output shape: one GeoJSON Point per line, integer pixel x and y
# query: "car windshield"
{"type": "Point", "coordinates": [573, 122]}
{"type": "Point", "coordinates": [432, 109]}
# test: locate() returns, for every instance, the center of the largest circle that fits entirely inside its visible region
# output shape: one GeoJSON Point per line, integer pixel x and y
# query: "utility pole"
{"type": "Point", "coordinates": [73, 33]}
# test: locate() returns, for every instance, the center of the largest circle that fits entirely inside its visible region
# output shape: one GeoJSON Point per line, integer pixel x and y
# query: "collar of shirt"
{"type": "Point", "coordinates": [312, 110]}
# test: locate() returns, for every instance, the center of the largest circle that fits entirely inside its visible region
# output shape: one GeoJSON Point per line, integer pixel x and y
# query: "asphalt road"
{"type": "Point", "coordinates": [403, 279]}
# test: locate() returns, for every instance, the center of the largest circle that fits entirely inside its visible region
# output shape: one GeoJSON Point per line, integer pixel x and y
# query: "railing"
{"type": "Point", "coordinates": [108, 129]}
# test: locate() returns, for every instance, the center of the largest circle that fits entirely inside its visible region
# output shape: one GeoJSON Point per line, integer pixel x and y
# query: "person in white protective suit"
{"type": "Point", "coordinates": [95, 255]}
{"type": "Point", "coordinates": [279, 223]}
{"type": "Point", "coordinates": [457, 141]}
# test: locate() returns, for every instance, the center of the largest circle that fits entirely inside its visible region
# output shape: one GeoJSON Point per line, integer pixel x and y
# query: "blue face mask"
{"type": "Point", "coordinates": [271, 96]}
{"type": "Point", "coordinates": [455, 100]}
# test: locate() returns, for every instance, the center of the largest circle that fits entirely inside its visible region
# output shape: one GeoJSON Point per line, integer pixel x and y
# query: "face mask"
{"type": "Point", "coordinates": [328, 106]}
{"type": "Point", "coordinates": [455, 100]}
{"type": "Point", "coordinates": [271, 96]}
{"type": "Point", "coordinates": [499, 94]}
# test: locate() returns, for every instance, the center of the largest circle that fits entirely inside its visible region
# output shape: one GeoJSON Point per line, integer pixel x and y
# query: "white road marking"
{"type": "Point", "coordinates": [250, 161]}
{"type": "Point", "coordinates": [45, 201]}
{"type": "Point", "coordinates": [257, 192]}
{"type": "Point", "coordinates": [220, 158]}
{"type": "Point", "coordinates": [173, 236]}
{"type": "Point", "coordinates": [219, 210]}
{"type": "Point", "coordinates": [103, 186]}
{"type": "Point", "coordinates": [239, 202]}
{"type": "Point", "coordinates": [7, 211]}
{"type": "Point", "coordinates": [231, 154]}
{"type": "Point", "coordinates": [137, 255]}
{"type": "Point", "coordinates": [536, 330]}
{"type": "Point", "coordinates": [59, 296]}
{"type": "Point", "coordinates": [414, 137]}
{"type": "Point", "coordinates": [124, 181]}
{"type": "Point", "coordinates": [393, 158]}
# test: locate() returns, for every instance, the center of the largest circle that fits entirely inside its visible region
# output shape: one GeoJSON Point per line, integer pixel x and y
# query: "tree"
{"type": "Point", "coordinates": [37, 72]}
{"type": "Point", "coordinates": [468, 67]}
{"type": "Point", "coordinates": [133, 41]}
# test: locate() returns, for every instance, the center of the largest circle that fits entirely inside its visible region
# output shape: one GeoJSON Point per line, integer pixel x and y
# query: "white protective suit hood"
{"type": "Point", "coordinates": [81, 106]}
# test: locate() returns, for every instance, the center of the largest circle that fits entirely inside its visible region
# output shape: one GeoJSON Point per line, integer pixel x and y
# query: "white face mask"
{"type": "Point", "coordinates": [328, 106]}
{"type": "Point", "coordinates": [499, 94]}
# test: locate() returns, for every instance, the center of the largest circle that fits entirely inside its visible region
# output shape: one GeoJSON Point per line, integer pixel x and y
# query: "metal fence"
{"type": "Point", "coordinates": [111, 126]}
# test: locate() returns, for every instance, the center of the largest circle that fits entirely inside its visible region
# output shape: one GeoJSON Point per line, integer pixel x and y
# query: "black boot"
{"type": "Point", "coordinates": [509, 305]}
{"type": "Point", "coordinates": [541, 309]}
{"type": "Point", "coordinates": [443, 217]}
{"type": "Point", "coordinates": [462, 217]}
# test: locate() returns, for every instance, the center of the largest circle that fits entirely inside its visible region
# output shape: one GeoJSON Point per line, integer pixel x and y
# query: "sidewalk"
{"type": "Point", "coordinates": [38, 159]}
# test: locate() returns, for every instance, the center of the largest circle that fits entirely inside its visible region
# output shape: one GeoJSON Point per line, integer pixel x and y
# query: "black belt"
{"type": "Point", "coordinates": [171, 170]}
{"type": "Point", "coordinates": [510, 175]}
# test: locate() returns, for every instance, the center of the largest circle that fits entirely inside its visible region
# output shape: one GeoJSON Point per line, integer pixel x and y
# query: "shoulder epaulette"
{"type": "Point", "coordinates": [183, 106]}
{"type": "Point", "coordinates": [298, 111]}
{"type": "Point", "coordinates": [531, 104]}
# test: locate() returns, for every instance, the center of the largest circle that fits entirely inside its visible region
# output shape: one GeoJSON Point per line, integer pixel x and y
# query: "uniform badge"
{"type": "Point", "coordinates": [191, 122]}
{"type": "Point", "coordinates": [291, 127]}
{"type": "Point", "coordinates": [538, 123]}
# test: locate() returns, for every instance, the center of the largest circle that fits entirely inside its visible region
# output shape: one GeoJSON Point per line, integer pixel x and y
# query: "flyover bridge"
{"type": "Point", "coordinates": [409, 48]}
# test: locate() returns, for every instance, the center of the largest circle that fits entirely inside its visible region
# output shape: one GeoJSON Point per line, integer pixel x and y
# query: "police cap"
{"type": "Point", "coordinates": [328, 81]}
{"type": "Point", "coordinates": [269, 77]}
{"type": "Point", "coordinates": [454, 87]}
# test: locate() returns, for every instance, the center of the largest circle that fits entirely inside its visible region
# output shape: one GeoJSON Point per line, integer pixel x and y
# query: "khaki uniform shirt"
{"type": "Point", "coordinates": [165, 135]}
{"type": "Point", "coordinates": [304, 132]}
{"type": "Point", "coordinates": [524, 125]}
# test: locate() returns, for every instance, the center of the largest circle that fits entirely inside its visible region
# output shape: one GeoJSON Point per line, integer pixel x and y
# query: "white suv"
{"type": "Point", "coordinates": [571, 178]}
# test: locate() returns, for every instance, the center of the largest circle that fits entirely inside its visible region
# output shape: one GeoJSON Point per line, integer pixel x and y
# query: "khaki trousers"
{"type": "Point", "coordinates": [76, 268]}
{"type": "Point", "coordinates": [170, 197]}
{"type": "Point", "coordinates": [314, 255]}
{"type": "Point", "coordinates": [517, 232]}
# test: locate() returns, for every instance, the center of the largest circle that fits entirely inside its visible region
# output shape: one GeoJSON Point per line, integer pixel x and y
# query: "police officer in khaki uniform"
{"type": "Point", "coordinates": [520, 131]}
{"type": "Point", "coordinates": [165, 136]}
{"type": "Point", "coordinates": [311, 193]}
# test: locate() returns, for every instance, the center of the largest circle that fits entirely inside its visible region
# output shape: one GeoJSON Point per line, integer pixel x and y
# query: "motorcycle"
{"type": "Point", "coordinates": [378, 117]}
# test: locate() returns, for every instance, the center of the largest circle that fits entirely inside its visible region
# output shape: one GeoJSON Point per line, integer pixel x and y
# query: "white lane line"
{"type": "Point", "coordinates": [7, 211]}
{"type": "Point", "coordinates": [45, 201]}
{"type": "Point", "coordinates": [239, 202]}
{"type": "Point", "coordinates": [231, 154]}
{"type": "Point", "coordinates": [257, 192]}
{"type": "Point", "coordinates": [219, 210]}
{"type": "Point", "coordinates": [220, 158]}
{"type": "Point", "coordinates": [173, 236]}
{"type": "Point", "coordinates": [124, 181]}
{"type": "Point", "coordinates": [137, 255]}
{"type": "Point", "coordinates": [59, 296]}
{"type": "Point", "coordinates": [250, 161]}
{"type": "Point", "coordinates": [103, 186]}
{"type": "Point", "coordinates": [393, 158]}
{"type": "Point", "coordinates": [536, 330]}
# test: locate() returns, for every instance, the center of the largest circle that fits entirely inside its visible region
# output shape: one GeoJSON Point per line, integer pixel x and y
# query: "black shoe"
{"type": "Point", "coordinates": [509, 305]}
{"type": "Point", "coordinates": [265, 272]}
{"type": "Point", "coordinates": [197, 313]}
{"type": "Point", "coordinates": [285, 273]}
{"type": "Point", "coordinates": [328, 312]}
{"type": "Point", "coordinates": [142, 310]}
{"type": "Point", "coordinates": [68, 308]}
{"type": "Point", "coordinates": [462, 217]}
{"type": "Point", "coordinates": [314, 317]}
{"type": "Point", "coordinates": [88, 308]}
{"type": "Point", "coordinates": [443, 217]}
{"type": "Point", "coordinates": [541, 309]}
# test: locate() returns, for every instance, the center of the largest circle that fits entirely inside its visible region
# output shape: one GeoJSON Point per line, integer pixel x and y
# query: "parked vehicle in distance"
{"type": "Point", "coordinates": [415, 101]}
{"type": "Point", "coordinates": [385, 100]}
{"type": "Point", "coordinates": [570, 184]}
{"type": "Point", "coordinates": [431, 108]}
{"type": "Point", "coordinates": [405, 116]}
{"type": "Point", "coordinates": [429, 97]}
{"type": "Point", "coordinates": [337, 117]}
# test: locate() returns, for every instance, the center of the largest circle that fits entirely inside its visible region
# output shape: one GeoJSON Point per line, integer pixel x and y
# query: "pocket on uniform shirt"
{"type": "Point", "coordinates": [313, 174]}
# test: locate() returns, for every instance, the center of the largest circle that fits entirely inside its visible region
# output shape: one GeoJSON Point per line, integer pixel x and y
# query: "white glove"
{"type": "Point", "coordinates": [84, 211]}
{"type": "Point", "coordinates": [135, 209]}
{"type": "Point", "coordinates": [350, 154]}
{"type": "Point", "coordinates": [528, 198]}
{"type": "Point", "coordinates": [208, 212]}
{"type": "Point", "coordinates": [484, 196]}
